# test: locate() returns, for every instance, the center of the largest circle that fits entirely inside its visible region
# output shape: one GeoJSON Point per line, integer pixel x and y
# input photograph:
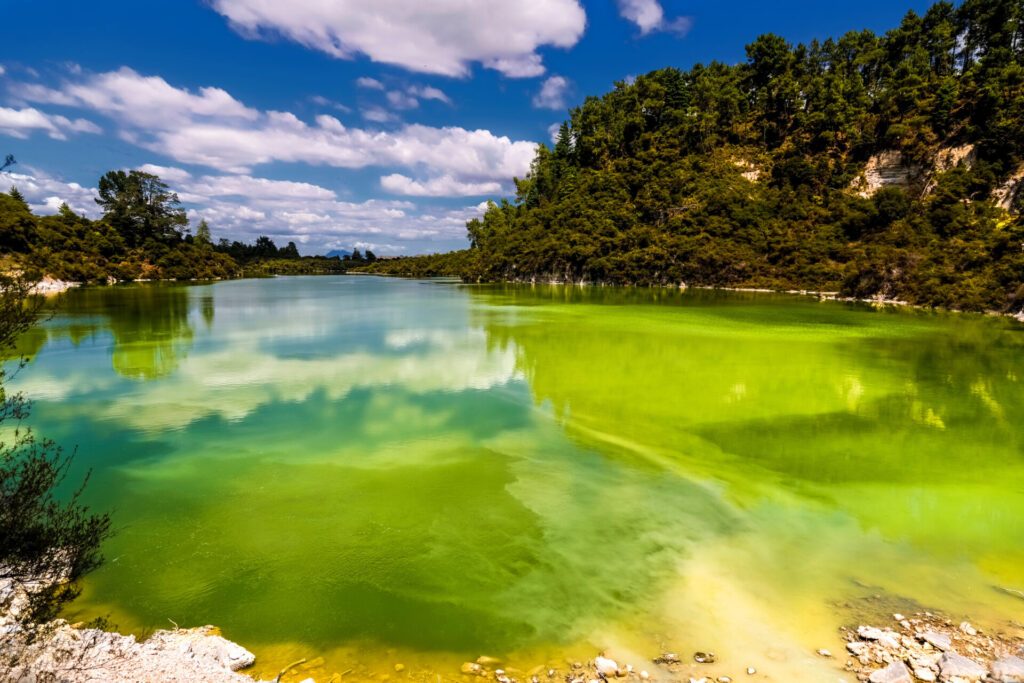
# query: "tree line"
{"type": "Point", "coordinates": [144, 234]}
{"type": "Point", "coordinates": [753, 174]}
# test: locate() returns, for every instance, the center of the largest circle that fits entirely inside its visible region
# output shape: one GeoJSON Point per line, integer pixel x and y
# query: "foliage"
{"type": "Point", "coordinates": [747, 175]}
{"type": "Point", "coordinates": [143, 235]}
{"type": "Point", "coordinates": [452, 264]}
{"type": "Point", "coordinates": [43, 533]}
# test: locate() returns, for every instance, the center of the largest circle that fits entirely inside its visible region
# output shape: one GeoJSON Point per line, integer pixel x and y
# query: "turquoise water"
{"type": "Point", "coordinates": [375, 470]}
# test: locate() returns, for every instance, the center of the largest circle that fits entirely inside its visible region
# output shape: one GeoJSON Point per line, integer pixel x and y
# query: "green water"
{"type": "Point", "coordinates": [381, 470]}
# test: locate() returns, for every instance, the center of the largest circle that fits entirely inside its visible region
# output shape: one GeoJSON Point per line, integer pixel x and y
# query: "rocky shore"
{"type": "Point", "coordinates": [49, 286]}
{"type": "Point", "coordinates": [59, 651]}
{"type": "Point", "coordinates": [929, 647]}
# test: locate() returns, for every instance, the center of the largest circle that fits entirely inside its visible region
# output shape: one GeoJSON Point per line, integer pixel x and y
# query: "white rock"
{"type": "Point", "coordinates": [940, 641]}
{"type": "Point", "coordinates": [869, 632]}
{"type": "Point", "coordinates": [894, 673]}
{"type": "Point", "coordinates": [644, 675]}
{"type": "Point", "coordinates": [953, 665]}
{"type": "Point", "coordinates": [966, 627]}
{"type": "Point", "coordinates": [923, 674]}
{"type": "Point", "coordinates": [606, 666]}
{"type": "Point", "coordinates": [751, 671]}
{"type": "Point", "coordinates": [824, 653]}
{"type": "Point", "coordinates": [1008, 670]}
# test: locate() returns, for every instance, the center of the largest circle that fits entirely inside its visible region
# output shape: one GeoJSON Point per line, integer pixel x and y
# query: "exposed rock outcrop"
{"type": "Point", "coordinates": [61, 652]}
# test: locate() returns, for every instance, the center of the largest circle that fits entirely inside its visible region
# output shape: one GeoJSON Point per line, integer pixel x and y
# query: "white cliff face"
{"type": "Point", "coordinates": [886, 169]}
{"type": "Point", "coordinates": [891, 169]}
{"type": "Point", "coordinates": [1004, 194]}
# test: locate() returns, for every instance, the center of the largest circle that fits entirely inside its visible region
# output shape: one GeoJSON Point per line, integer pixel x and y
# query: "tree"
{"type": "Point", "coordinates": [289, 252]}
{"type": "Point", "coordinates": [203, 235]}
{"type": "Point", "coordinates": [370, 256]}
{"type": "Point", "coordinates": [17, 195]}
{"type": "Point", "coordinates": [41, 534]}
{"type": "Point", "coordinates": [141, 207]}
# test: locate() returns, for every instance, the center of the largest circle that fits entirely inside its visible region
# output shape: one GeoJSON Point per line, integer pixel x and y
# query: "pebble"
{"type": "Point", "coordinates": [824, 653]}
{"type": "Point", "coordinates": [551, 673]}
{"type": "Point", "coordinates": [704, 657]}
{"type": "Point", "coordinates": [644, 675]}
{"type": "Point", "coordinates": [484, 660]}
{"type": "Point", "coordinates": [966, 627]}
{"type": "Point", "coordinates": [698, 680]}
{"type": "Point", "coordinates": [751, 671]}
{"type": "Point", "coordinates": [471, 668]}
{"type": "Point", "coordinates": [399, 668]}
{"type": "Point", "coordinates": [724, 679]}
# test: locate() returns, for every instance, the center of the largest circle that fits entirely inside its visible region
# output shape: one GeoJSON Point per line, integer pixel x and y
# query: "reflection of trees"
{"type": "Point", "coordinates": [149, 324]}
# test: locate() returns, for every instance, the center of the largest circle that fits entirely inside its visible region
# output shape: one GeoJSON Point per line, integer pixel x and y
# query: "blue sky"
{"type": "Point", "coordinates": [383, 124]}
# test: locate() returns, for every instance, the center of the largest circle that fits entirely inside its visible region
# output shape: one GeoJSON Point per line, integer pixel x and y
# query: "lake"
{"type": "Point", "coordinates": [381, 471]}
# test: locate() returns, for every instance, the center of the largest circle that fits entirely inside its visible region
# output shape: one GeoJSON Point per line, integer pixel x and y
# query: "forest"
{"type": "Point", "coordinates": [144, 234]}
{"type": "Point", "coordinates": [884, 166]}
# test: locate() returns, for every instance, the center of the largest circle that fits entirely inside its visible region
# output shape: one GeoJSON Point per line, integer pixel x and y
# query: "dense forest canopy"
{"type": "Point", "coordinates": [872, 165]}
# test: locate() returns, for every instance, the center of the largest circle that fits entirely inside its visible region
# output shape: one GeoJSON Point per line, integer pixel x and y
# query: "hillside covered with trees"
{"type": "Point", "coordinates": [143, 234]}
{"type": "Point", "coordinates": [876, 166]}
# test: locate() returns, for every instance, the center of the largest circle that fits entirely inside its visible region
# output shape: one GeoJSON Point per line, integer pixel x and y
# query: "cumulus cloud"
{"type": "Point", "coordinates": [211, 128]}
{"type": "Point", "coordinates": [142, 101]}
{"type": "Point", "coordinates": [440, 37]}
{"type": "Point", "coordinates": [21, 123]}
{"type": "Point", "coordinates": [242, 207]}
{"type": "Point", "coordinates": [552, 93]}
{"type": "Point", "coordinates": [649, 16]}
{"type": "Point", "coordinates": [45, 194]}
{"type": "Point", "coordinates": [443, 186]}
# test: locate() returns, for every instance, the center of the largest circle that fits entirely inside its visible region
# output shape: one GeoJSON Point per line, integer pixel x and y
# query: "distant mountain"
{"type": "Point", "coordinates": [338, 253]}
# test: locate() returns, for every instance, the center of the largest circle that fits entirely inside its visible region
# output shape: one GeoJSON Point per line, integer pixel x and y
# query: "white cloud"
{"type": "Point", "coordinates": [45, 193]}
{"type": "Point", "coordinates": [211, 128]}
{"type": "Point", "coordinates": [553, 132]}
{"type": "Point", "coordinates": [321, 101]}
{"type": "Point", "coordinates": [427, 92]}
{"type": "Point", "coordinates": [649, 16]}
{"type": "Point", "coordinates": [443, 186]}
{"type": "Point", "coordinates": [242, 207]}
{"type": "Point", "coordinates": [3, 69]}
{"type": "Point", "coordinates": [21, 123]}
{"type": "Point", "coordinates": [142, 101]}
{"type": "Point", "coordinates": [377, 114]}
{"type": "Point", "coordinates": [552, 93]}
{"type": "Point", "coordinates": [402, 100]}
{"type": "Point", "coordinates": [369, 83]}
{"type": "Point", "coordinates": [440, 36]}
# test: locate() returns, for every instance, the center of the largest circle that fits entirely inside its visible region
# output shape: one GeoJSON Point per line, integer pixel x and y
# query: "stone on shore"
{"type": "Point", "coordinates": [953, 665]}
{"type": "Point", "coordinates": [940, 641]}
{"type": "Point", "coordinates": [894, 673]}
{"type": "Point", "coordinates": [1008, 669]}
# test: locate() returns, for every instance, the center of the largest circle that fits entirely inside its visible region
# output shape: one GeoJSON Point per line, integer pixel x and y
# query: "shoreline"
{"type": "Point", "coordinates": [925, 646]}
